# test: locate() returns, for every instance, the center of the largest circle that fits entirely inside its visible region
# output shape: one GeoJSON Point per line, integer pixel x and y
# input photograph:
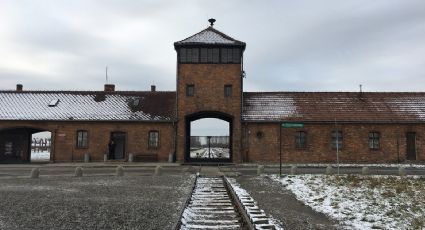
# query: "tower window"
{"type": "Point", "coordinates": [224, 58]}
{"type": "Point", "coordinates": [204, 55]}
{"type": "Point", "coordinates": [190, 90]}
{"type": "Point", "coordinates": [209, 55]}
{"type": "Point", "coordinates": [228, 90]}
{"type": "Point", "coordinates": [183, 56]}
{"type": "Point", "coordinates": [236, 55]}
{"type": "Point", "coordinates": [195, 55]}
{"type": "Point", "coordinates": [215, 55]}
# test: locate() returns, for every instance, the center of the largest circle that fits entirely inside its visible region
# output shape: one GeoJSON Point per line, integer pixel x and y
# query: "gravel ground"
{"type": "Point", "coordinates": [282, 204]}
{"type": "Point", "coordinates": [95, 202]}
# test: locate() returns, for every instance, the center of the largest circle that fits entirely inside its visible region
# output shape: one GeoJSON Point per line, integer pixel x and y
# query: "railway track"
{"type": "Point", "coordinates": [215, 205]}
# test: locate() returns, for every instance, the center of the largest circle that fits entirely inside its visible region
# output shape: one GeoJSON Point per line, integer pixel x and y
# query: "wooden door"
{"type": "Point", "coordinates": [119, 139]}
{"type": "Point", "coordinates": [411, 146]}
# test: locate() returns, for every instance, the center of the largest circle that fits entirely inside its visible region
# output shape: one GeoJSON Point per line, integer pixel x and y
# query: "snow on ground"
{"type": "Point", "coordinates": [205, 153]}
{"type": "Point", "coordinates": [382, 165]}
{"type": "Point", "coordinates": [363, 202]}
{"type": "Point", "coordinates": [40, 156]}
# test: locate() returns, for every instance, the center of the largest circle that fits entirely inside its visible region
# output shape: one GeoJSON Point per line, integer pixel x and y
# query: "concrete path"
{"type": "Point", "coordinates": [210, 171]}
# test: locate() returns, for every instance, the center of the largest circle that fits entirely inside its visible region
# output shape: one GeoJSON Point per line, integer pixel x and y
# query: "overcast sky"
{"type": "Point", "coordinates": [291, 45]}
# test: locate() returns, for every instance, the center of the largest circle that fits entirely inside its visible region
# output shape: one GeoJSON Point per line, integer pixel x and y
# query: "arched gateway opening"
{"type": "Point", "coordinates": [208, 137]}
{"type": "Point", "coordinates": [22, 144]}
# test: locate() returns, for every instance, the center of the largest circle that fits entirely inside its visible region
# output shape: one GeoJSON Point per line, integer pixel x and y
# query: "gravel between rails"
{"type": "Point", "coordinates": [283, 206]}
{"type": "Point", "coordinates": [95, 202]}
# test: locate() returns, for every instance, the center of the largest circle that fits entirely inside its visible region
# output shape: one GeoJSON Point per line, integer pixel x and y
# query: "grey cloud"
{"type": "Point", "coordinates": [291, 45]}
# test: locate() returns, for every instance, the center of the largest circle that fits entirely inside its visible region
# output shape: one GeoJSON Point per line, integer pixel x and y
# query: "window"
{"type": "Point", "coordinates": [204, 55]}
{"type": "Point", "coordinates": [260, 134]}
{"type": "Point", "coordinates": [195, 55]}
{"type": "Point", "coordinates": [153, 139]}
{"type": "Point", "coordinates": [210, 55]}
{"type": "Point", "coordinates": [374, 140]}
{"type": "Point", "coordinates": [183, 56]}
{"type": "Point", "coordinates": [236, 56]}
{"type": "Point", "coordinates": [190, 90]}
{"type": "Point", "coordinates": [300, 140]}
{"type": "Point", "coordinates": [337, 139]}
{"type": "Point", "coordinates": [82, 139]}
{"type": "Point", "coordinates": [230, 55]}
{"type": "Point", "coordinates": [224, 55]}
{"type": "Point", "coordinates": [215, 55]}
{"type": "Point", "coordinates": [189, 55]}
{"type": "Point", "coordinates": [228, 90]}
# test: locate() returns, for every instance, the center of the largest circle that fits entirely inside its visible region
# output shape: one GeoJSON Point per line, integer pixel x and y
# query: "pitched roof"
{"type": "Point", "coordinates": [87, 106]}
{"type": "Point", "coordinates": [328, 106]}
{"type": "Point", "coordinates": [209, 36]}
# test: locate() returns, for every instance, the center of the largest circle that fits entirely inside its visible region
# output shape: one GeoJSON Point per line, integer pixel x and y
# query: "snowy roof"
{"type": "Point", "coordinates": [90, 106]}
{"type": "Point", "coordinates": [328, 106]}
{"type": "Point", "coordinates": [209, 36]}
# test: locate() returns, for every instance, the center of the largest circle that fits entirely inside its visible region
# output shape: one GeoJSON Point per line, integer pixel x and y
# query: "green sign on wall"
{"type": "Point", "coordinates": [292, 125]}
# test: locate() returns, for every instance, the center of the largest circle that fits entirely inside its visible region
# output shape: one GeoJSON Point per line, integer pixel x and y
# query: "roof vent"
{"type": "Point", "coordinates": [54, 103]}
{"type": "Point", "coordinates": [211, 20]}
{"type": "Point", "coordinates": [153, 88]}
{"type": "Point", "coordinates": [19, 87]}
{"type": "Point", "coordinates": [136, 101]}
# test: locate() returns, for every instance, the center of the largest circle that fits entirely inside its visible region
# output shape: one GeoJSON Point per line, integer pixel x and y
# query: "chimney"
{"type": "Point", "coordinates": [19, 87]}
{"type": "Point", "coordinates": [153, 88]}
{"type": "Point", "coordinates": [109, 87]}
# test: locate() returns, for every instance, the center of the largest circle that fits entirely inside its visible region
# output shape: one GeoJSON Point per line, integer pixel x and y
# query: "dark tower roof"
{"type": "Point", "coordinates": [210, 36]}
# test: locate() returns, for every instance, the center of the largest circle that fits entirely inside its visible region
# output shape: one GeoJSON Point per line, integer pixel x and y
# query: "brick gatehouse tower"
{"type": "Point", "coordinates": [209, 85]}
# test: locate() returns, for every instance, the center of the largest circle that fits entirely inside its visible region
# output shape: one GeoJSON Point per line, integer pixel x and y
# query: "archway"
{"type": "Point", "coordinates": [209, 137]}
{"type": "Point", "coordinates": [18, 145]}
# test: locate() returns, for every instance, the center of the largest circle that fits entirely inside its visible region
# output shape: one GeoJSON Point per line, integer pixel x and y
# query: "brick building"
{"type": "Point", "coordinates": [262, 127]}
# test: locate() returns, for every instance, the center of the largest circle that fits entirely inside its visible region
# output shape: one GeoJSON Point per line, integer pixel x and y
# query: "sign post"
{"type": "Point", "coordinates": [285, 125]}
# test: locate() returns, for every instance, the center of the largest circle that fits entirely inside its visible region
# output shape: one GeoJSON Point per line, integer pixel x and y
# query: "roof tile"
{"type": "Point", "coordinates": [330, 106]}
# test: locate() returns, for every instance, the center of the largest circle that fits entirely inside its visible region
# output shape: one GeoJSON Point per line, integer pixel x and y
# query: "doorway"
{"type": "Point", "coordinates": [41, 146]}
{"type": "Point", "coordinates": [411, 146]}
{"type": "Point", "coordinates": [119, 149]}
{"type": "Point", "coordinates": [208, 137]}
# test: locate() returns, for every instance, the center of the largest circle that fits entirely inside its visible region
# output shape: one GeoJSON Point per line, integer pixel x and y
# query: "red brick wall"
{"type": "Point", "coordinates": [209, 81]}
{"type": "Point", "coordinates": [64, 138]}
{"type": "Point", "coordinates": [355, 143]}
{"type": "Point", "coordinates": [254, 149]}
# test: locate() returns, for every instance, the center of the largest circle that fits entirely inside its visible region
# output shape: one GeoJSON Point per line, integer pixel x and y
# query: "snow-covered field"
{"type": "Point", "coordinates": [382, 165]}
{"type": "Point", "coordinates": [215, 153]}
{"type": "Point", "coordinates": [363, 202]}
{"type": "Point", "coordinates": [40, 156]}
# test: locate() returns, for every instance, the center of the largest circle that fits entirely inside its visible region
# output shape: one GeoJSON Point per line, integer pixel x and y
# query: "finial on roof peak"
{"type": "Point", "coordinates": [211, 20]}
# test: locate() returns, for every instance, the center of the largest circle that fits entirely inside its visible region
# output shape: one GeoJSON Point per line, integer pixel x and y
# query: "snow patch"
{"type": "Point", "coordinates": [40, 156]}
{"type": "Point", "coordinates": [363, 202]}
